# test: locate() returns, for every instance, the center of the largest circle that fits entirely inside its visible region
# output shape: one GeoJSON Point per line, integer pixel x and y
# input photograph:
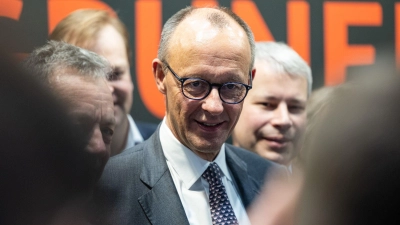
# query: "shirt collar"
{"type": "Point", "coordinates": [185, 162]}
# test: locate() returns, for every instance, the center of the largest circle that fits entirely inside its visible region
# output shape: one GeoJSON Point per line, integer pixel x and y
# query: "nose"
{"type": "Point", "coordinates": [281, 118]}
{"type": "Point", "coordinates": [213, 103]}
{"type": "Point", "coordinates": [111, 87]}
{"type": "Point", "coordinates": [97, 147]}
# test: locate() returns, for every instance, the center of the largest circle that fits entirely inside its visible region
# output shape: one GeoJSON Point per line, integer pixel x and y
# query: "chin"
{"type": "Point", "coordinates": [208, 147]}
{"type": "Point", "coordinates": [274, 156]}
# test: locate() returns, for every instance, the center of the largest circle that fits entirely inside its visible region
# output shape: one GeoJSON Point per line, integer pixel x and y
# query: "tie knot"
{"type": "Point", "coordinates": [213, 174]}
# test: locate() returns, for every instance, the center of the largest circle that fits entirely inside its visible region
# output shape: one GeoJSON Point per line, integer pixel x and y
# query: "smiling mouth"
{"type": "Point", "coordinates": [279, 140]}
{"type": "Point", "coordinates": [277, 143]}
{"type": "Point", "coordinates": [209, 126]}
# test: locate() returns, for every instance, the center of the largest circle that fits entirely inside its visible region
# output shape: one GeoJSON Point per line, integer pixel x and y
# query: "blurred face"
{"type": "Point", "coordinates": [273, 117]}
{"type": "Point", "coordinates": [90, 106]}
{"type": "Point", "coordinates": [110, 45]}
{"type": "Point", "coordinates": [218, 56]}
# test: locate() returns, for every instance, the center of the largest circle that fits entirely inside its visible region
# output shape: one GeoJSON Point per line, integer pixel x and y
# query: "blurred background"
{"type": "Point", "coordinates": [337, 38]}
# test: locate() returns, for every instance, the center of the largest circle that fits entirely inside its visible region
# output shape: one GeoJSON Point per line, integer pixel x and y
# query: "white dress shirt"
{"type": "Point", "coordinates": [134, 136]}
{"type": "Point", "coordinates": [186, 169]}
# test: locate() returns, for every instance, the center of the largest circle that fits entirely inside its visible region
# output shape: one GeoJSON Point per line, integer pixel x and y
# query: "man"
{"type": "Point", "coordinates": [205, 69]}
{"type": "Point", "coordinates": [106, 35]}
{"type": "Point", "coordinates": [38, 147]}
{"type": "Point", "coordinates": [274, 116]}
{"type": "Point", "coordinates": [79, 79]}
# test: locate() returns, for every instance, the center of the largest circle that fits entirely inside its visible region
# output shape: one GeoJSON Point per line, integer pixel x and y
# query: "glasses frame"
{"type": "Point", "coordinates": [182, 80]}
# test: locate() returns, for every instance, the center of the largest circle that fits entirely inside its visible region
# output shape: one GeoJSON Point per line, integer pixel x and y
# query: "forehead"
{"type": "Point", "coordinates": [275, 82]}
{"type": "Point", "coordinates": [111, 45]}
{"type": "Point", "coordinates": [197, 41]}
{"type": "Point", "coordinates": [78, 90]}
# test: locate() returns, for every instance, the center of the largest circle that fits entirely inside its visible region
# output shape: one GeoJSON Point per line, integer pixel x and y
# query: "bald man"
{"type": "Point", "coordinates": [185, 173]}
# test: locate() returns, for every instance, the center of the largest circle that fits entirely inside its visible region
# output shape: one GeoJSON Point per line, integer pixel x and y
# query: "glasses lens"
{"type": "Point", "coordinates": [233, 92]}
{"type": "Point", "coordinates": [195, 88]}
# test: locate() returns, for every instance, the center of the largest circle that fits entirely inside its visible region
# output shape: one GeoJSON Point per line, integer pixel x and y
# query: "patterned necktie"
{"type": "Point", "coordinates": [220, 207]}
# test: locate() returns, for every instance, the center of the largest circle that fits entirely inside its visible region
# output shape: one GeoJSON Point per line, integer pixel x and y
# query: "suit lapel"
{"type": "Point", "coordinates": [238, 167]}
{"type": "Point", "coordinates": [161, 204]}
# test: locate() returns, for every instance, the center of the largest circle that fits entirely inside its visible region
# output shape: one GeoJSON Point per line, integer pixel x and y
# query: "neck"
{"type": "Point", "coordinates": [120, 137]}
{"type": "Point", "coordinates": [207, 156]}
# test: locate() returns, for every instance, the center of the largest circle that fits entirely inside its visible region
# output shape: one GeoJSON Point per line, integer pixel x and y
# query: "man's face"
{"type": "Point", "coordinates": [110, 44]}
{"type": "Point", "coordinates": [217, 56]}
{"type": "Point", "coordinates": [273, 117]}
{"type": "Point", "coordinates": [90, 106]}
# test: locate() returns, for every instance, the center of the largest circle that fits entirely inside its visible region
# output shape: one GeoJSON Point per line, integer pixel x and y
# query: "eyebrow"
{"type": "Point", "coordinates": [291, 100]}
{"type": "Point", "coordinates": [233, 78]}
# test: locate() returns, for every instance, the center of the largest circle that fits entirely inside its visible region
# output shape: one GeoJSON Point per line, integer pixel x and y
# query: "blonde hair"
{"type": "Point", "coordinates": [81, 28]}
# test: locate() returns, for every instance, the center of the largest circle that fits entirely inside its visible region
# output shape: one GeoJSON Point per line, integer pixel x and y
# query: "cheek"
{"type": "Point", "coordinates": [126, 87]}
{"type": "Point", "coordinates": [177, 106]}
{"type": "Point", "coordinates": [128, 81]}
{"type": "Point", "coordinates": [190, 109]}
{"type": "Point", "coordinates": [300, 122]}
{"type": "Point", "coordinates": [121, 87]}
{"type": "Point", "coordinates": [127, 76]}
{"type": "Point", "coordinates": [234, 112]}
{"type": "Point", "coordinates": [254, 117]}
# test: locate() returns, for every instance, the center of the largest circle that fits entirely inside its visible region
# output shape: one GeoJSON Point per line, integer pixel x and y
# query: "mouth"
{"type": "Point", "coordinates": [209, 126]}
{"type": "Point", "coordinates": [277, 143]}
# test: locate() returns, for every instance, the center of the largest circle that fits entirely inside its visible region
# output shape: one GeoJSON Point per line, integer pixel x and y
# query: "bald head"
{"type": "Point", "coordinates": [201, 20]}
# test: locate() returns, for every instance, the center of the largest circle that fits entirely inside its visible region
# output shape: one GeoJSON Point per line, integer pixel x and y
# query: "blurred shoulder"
{"type": "Point", "coordinates": [249, 156]}
{"type": "Point", "coordinates": [255, 164]}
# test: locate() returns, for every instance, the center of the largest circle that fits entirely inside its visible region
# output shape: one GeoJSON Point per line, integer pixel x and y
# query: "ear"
{"type": "Point", "coordinates": [159, 75]}
{"type": "Point", "coordinates": [253, 73]}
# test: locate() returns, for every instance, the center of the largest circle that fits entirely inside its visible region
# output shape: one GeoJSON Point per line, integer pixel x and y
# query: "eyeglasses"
{"type": "Point", "coordinates": [198, 89]}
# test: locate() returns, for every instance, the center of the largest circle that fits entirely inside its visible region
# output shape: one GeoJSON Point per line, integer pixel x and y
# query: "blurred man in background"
{"type": "Point", "coordinates": [106, 35]}
{"type": "Point", "coordinates": [78, 78]}
{"type": "Point", "coordinates": [45, 171]}
{"type": "Point", "coordinates": [274, 116]}
{"type": "Point", "coordinates": [353, 157]}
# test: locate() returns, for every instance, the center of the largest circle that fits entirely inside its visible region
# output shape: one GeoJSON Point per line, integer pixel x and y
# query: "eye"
{"type": "Point", "coordinates": [115, 75]}
{"type": "Point", "coordinates": [195, 88]}
{"type": "Point", "coordinates": [108, 131]}
{"type": "Point", "coordinates": [268, 105]}
{"type": "Point", "coordinates": [296, 109]}
{"type": "Point", "coordinates": [195, 83]}
{"type": "Point", "coordinates": [107, 134]}
{"type": "Point", "coordinates": [232, 86]}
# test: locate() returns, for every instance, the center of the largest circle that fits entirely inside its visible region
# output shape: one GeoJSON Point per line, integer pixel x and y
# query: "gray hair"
{"type": "Point", "coordinates": [284, 58]}
{"type": "Point", "coordinates": [215, 19]}
{"type": "Point", "coordinates": [56, 56]}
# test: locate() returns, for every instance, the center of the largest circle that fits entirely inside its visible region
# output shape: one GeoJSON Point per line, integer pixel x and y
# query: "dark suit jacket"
{"type": "Point", "coordinates": [137, 187]}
